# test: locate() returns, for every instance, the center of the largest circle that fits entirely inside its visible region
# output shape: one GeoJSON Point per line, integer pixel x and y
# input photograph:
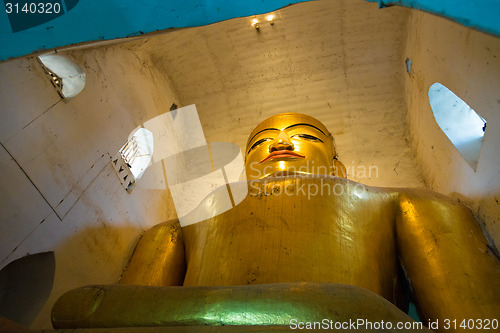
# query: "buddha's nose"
{"type": "Point", "coordinates": [282, 142]}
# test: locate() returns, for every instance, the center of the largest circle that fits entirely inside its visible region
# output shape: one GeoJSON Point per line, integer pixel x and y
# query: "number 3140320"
{"type": "Point", "coordinates": [33, 8]}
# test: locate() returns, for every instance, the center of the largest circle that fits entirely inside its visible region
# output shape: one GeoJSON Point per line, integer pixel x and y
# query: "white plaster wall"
{"type": "Point", "coordinates": [468, 63]}
{"type": "Point", "coordinates": [59, 192]}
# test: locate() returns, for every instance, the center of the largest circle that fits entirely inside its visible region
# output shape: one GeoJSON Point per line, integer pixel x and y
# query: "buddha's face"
{"type": "Point", "coordinates": [289, 143]}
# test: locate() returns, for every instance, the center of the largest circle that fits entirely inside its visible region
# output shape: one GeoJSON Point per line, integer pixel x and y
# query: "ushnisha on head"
{"type": "Point", "coordinates": [291, 143]}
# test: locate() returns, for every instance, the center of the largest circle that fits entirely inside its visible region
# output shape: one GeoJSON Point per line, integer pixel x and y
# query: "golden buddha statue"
{"type": "Point", "coordinates": [305, 245]}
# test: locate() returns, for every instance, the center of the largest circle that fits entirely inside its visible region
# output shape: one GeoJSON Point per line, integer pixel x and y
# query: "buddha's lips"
{"type": "Point", "coordinates": [280, 154]}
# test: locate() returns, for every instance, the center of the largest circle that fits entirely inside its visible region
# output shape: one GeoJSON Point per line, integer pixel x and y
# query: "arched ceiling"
{"type": "Point", "coordinates": [26, 28]}
{"type": "Point", "coordinates": [340, 61]}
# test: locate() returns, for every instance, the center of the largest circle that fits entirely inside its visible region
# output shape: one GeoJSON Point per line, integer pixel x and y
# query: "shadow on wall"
{"type": "Point", "coordinates": [91, 255]}
{"type": "Point", "coordinates": [25, 286]}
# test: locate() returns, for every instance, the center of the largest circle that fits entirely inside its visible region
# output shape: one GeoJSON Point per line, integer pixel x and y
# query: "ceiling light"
{"type": "Point", "coordinates": [255, 23]}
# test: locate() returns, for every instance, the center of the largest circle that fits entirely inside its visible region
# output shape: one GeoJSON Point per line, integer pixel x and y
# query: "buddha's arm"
{"type": "Point", "coordinates": [453, 272]}
{"type": "Point", "coordinates": [158, 259]}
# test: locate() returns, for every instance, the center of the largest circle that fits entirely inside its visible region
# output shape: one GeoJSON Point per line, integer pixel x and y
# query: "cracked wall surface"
{"type": "Point", "coordinates": [60, 192]}
{"type": "Point", "coordinates": [468, 63]}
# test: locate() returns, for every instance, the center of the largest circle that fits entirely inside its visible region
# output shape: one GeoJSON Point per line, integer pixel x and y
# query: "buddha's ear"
{"type": "Point", "coordinates": [339, 169]}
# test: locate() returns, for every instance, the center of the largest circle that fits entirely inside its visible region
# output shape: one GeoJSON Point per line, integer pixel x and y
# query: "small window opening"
{"type": "Point", "coordinates": [408, 65]}
{"type": "Point", "coordinates": [67, 77]}
{"type": "Point", "coordinates": [461, 124]}
{"type": "Point", "coordinates": [134, 157]}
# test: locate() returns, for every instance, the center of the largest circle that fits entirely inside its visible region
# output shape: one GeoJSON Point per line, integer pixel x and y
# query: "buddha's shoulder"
{"type": "Point", "coordinates": [332, 186]}
{"type": "Point", "coordinates": [322, 187]}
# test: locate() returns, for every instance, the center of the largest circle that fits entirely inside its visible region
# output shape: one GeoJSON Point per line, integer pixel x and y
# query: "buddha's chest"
{"type": "Point", "coordinates": [289, 233]}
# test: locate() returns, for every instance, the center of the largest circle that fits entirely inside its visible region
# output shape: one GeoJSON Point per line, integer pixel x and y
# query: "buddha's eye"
{"type": "Point", "coordinates": [307, 137]}
{"type": "Point", "coordinates": [258, 143]}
